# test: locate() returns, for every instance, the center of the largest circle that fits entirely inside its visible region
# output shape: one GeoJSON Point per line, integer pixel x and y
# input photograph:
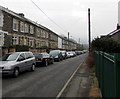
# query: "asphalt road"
{"type": "Point", "coordinates": [43, 82]}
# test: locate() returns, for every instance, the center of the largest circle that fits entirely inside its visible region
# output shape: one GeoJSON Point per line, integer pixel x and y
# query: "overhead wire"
{"type": "Point", "coordinates": [48, 16]}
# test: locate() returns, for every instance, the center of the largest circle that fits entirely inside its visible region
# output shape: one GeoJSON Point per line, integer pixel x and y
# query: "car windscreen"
{"type": "Point", "coordinates": [38, 56]}
{"type": "Point", "coordinates": [10, 57]}
{"type": "Point", "coordinates": [54, 53]}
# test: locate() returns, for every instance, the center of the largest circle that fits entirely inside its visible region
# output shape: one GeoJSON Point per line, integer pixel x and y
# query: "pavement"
{"type": "Point", "coordinates": [83, 84]}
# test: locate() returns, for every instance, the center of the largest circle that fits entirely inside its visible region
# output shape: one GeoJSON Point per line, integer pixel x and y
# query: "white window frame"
{"type": "Point", "coordinates": [15, 24]}
{"type": "Point", "coordinates": [26, 28]}
{"type": "Point", "coordinates": [15, 40]}
{"type": "Point", "coordinates": [38, 32]}
{"type": "Point", "coordinates": [31, 42]}
{"type": "Point", "coordinates": [46, 34]}
{"type": "Point", "coordinates": [31, 29]}
{"type": "Point", "coordinates": [1, 19]}
{"type": "Point", "coordinates": [22, 27]}
{"type": "Point", "coordinates": [1, 38]}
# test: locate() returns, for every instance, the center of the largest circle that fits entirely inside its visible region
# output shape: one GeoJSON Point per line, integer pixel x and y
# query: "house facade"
{"type": "Point", "coordinates": [115, 35]}
{"type": "Point", "coordinates": [15, 29]}
{"type": "Point", "coordinates": [19, 33]}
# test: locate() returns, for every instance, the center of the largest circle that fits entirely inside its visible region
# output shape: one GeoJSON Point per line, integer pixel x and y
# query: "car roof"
{"type": "Point", "coordinates": [55, 50]}
{"type": "Point", "coordinates": [19, 52]}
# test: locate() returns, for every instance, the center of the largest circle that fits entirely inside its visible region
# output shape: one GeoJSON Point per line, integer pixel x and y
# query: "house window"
{"type": "Point", "coordinates": [1, 19]}
{"type": "Point", "coordinates": [15, 40]}
{"type": "Point", "coordinates": [38, 32]}
{"type": "Point", "coordinates": [46, 34]}
{"type": "Point", "coordinates": [25, 41]}
{"type": "Point", "coordinates": [21, 26]}
{"type": "Point", "coordinates": [31, 42]}
{"type": "Point", "coordinates": [15, 24]}
{"type": "Point", "coordinates": [31, 29]}
{"type": "Point", "coordinates": [43, 34]}
{"type": "Point", "coordinates": [26, 28]}
{"type": "Point", "coordinates": [1, 38]}
{"type": "Point", "coordinates": [37, 43]}
{"type": "Point", "coordinates": [43, 43]}
{"type": "Point", "coordinates": [47, 44]}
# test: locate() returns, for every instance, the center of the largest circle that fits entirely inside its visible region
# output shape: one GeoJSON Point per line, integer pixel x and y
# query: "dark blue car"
{"type": "Point", "coordinates": [57, 55]}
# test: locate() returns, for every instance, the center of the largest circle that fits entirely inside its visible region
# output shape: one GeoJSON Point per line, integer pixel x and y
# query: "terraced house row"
{"type": "Point", "coordinates": [18, 33]}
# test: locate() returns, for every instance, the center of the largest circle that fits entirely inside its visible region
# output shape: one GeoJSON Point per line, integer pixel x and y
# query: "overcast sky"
{"type": "Point", "coordinates": [70, 15]}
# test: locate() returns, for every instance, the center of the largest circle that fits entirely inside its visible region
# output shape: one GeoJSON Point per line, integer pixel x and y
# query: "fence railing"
{"type": "Point", "coordinates": [108, 73]}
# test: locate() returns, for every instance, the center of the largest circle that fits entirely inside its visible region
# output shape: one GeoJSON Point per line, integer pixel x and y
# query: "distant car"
{"type": "Point", "coordinates": [64, 54]}
{"type": "Point", "coordinates": [70, 54]}
{"type": "Point", "coordinates": [84, 51]}
{"type": "Point", "coordinates": [78, 52]}
{"type": "Point", "coordinates": [56, 54]}
{"type": "Point", "coordinates": [74, 54]}
{"type": "Point", "coordinates": [16, 62]}
{"type": "Point", "coordinates": [43, 58]}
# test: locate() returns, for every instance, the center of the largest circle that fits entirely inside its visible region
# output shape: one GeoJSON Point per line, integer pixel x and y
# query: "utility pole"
{"type": "Point", "coordinates": [68, 40]}
{"type": "Point", "coordinates": [89, 31]}
{"type": "Point", "coordinates": [79, 43]}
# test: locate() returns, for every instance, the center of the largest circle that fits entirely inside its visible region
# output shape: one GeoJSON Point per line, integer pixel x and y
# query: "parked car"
{"type": "Point", "coordinates": [43, 58]}
{"type": "Point", "coordinates": [16, 62]}
{"type": "Point", "coordinates": [78, 52]}
{"type": "Point", "coordinates": [64, 54]}
{"type": "Point", "coordinates": [74, 54]}
{"type": "Point", "coordinates": [56, 54]}
{"type": "Point", "coordinates": [81, 52]}
{"type": "Point", "coordinates": [84, 51]}
{"type": "Point", "coordinates": [70, 54]}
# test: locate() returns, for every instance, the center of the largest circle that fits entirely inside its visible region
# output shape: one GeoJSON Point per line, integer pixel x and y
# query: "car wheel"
{"type": "Point", "coordinates": [52, 61]}
{"type": "Point", "coordinates": [58, 59]}
{"type": "Point", "coordinates": [16, 72]}
{"type": "Point", "coordinates": [33, 67]}
{"type": "Point", "coordinates": [46, 63]}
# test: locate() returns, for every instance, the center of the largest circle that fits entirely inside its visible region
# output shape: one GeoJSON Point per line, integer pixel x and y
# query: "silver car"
{"type": "Point", "coordinates": [16, 62]}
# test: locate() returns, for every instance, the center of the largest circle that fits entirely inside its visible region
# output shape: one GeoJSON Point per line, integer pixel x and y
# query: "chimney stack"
{"type": "Point", "coordinates": [21, 14]}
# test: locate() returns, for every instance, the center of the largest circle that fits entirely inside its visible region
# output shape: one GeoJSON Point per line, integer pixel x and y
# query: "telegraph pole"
{"type": "Point", "coordinates": [68, 40]}
{"type": "Point", "coordinates": [79, 43]}
{"type": "Point", "coordinates": [89, 31]}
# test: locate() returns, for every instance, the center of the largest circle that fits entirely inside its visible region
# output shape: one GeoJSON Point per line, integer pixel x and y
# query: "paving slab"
{"type": "Point", "coordinates": [80, 84]}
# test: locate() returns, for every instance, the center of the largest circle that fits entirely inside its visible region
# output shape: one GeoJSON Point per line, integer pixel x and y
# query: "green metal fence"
{"type": "Point", "coordinates": [108, 73]}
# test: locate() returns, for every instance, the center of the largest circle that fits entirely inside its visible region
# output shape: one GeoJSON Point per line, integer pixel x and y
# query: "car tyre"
{"type": "Point", "coordinates": [52, 61]}
{"type": "Point", "coordinates": [32, 68]}
{"type": "Point", "coordinates": [46, 63]}
{"type": "Point", "coordinates": [58, 59]}
{"type": "Point", "coordinates": [16, 72]}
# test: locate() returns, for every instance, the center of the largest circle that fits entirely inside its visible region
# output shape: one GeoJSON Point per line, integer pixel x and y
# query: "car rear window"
{"type": "Point", "coordinates": [38, 55]}
{"type": "Point", "coordinates": [54, 52]}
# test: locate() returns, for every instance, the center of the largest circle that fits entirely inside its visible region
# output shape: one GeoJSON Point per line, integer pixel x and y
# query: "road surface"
{"type": "Point", "coordinates": [44, 81]}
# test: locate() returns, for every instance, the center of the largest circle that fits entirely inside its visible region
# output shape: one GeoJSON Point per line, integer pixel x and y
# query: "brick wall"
{"type": "Point", "coordinates": [8, 23]}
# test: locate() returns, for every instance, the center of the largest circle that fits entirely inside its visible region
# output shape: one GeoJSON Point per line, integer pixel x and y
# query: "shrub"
{"type": "Point", "coordinates": [105, 44]}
